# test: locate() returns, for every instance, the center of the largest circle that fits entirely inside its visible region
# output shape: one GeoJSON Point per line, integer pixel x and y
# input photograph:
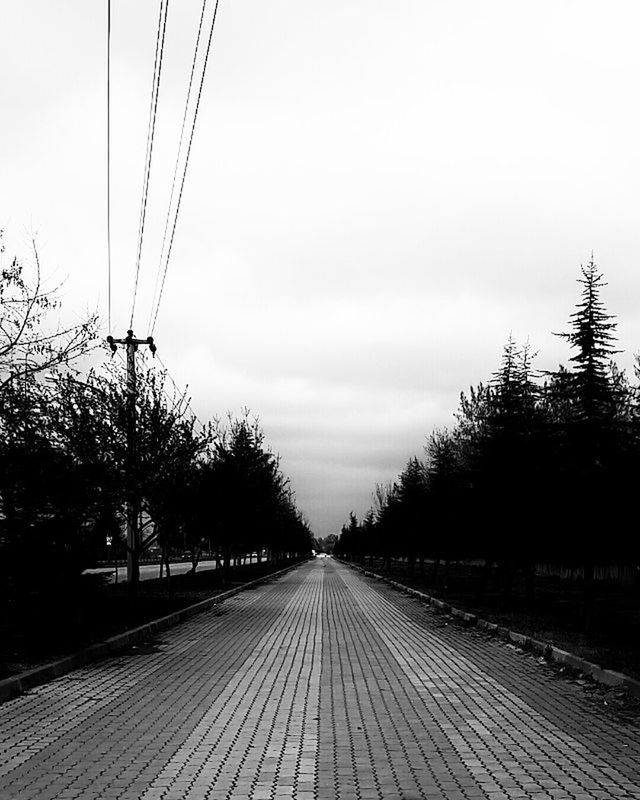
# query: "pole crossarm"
{"type": "Point", "coordinates": [130, 340]}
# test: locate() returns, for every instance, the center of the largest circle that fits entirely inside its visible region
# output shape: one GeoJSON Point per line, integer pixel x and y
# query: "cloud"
{"type": "Point", "coordinates": [377, 196]}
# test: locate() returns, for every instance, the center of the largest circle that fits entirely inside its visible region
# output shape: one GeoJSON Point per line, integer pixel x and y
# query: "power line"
{"type": "Point", "coordinates": [186, 164]}
{"type": "Point", "coordinates": [175, 171]}
{"type": "Point", "coordinates": [109, 163]}
{"type": "Point", "coordinates": [155, 91]}
{"type": "Point", "coordinates": [155, 88]}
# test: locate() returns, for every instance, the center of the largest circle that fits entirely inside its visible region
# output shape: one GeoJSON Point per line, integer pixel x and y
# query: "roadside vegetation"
{"type": "Point", "coordinates": [522, 510]}
{"type": "Point", "coordinates": [67, 473]}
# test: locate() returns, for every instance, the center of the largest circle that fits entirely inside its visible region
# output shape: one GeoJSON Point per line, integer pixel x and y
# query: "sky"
{"type": "Point", "coordinates": [378, 195]}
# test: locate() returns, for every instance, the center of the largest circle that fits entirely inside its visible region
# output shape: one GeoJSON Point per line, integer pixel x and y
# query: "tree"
{"type": "Point", "coordinates": [90, 421]}
{"type": "Point", "coordinates": [386, 508]}
{"type": "Point", "coordinates": [27, 346]}
{"type": "Point", "coordinates": [246, 499]}
{"type": "Point", "coordinates": [530, 472]}
{"type": "Point", "coordinates": [67, 467]}
{"type": "Point", "coordinates": [327, 544]}
{"type": "Point", "coordinates": [447, 477]}
{"type": "Point", "coordinates": [247, 481]}
{"type": "Point", "coordinates": [350, 540]}
{"type": "Point", "coordinates": [591, 430]}
{"type": "Point", "coordinates": [412, 502]}
{"type": "Point", "coordinates": [43, 496]}
{"type": "Point", "coordinates": [592, 337]}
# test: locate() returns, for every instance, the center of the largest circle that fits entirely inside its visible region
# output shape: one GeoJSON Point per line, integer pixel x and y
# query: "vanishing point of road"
{"type": "Point", "coordinates": [321, 684]}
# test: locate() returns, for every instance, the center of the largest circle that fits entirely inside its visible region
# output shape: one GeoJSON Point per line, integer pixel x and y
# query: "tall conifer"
{"type": "Point", "coordinates": [592, 336]}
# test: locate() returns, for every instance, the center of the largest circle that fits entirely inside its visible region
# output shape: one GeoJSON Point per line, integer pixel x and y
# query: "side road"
{"type": "Point", "coordinates": [321, 685]}
{"type": "Point", "coordinates": [548, 650]}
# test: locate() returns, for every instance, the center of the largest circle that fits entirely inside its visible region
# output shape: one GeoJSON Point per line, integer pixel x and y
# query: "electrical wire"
{"type": "Point", "coordinates": [155, 86]}
{"type": "Point", "coordinates": [155, 91]}
{"type": "Point", "coordinates": [186, 164]}
{"type": "Point", "coordinates": [175, 171]}
{"type": "Point", "coordinates": [109, 165]}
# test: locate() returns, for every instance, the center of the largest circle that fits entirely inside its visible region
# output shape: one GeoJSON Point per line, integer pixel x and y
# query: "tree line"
{"type": "Point", "coordinates": [67, 472]}
{"type": "Point", "coordinates": [538, 467]}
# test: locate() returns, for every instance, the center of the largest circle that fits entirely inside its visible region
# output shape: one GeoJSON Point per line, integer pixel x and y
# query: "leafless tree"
{"type": "Point", "coordinates": [27, 347]}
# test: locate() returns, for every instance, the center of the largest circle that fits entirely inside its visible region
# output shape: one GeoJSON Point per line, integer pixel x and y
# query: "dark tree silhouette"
{"type": "Point", "coordinates": [250, 505]}
{"type": "Point", "coordinates": [531, 472]}
{"type": "Point", "coordinates": [592, 337]}
{"type": "Point", "coordinates": [592, 434]}
{"type": "Point", "coordinates": [411, 495]}
{"type": "Point", "coordinates": [90, 421]}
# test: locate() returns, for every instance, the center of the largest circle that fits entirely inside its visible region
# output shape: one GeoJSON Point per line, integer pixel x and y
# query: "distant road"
{"type": "Point", "coordinates": [149, 571]}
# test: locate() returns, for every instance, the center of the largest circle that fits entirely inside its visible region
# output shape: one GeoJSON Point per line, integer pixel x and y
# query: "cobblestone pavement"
{"type": "Point", "coordinates": [324, 685]}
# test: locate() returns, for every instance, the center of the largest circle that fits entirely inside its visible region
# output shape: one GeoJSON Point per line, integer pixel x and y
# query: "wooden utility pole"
{"type": "Point", "coordinates": [133, 503]}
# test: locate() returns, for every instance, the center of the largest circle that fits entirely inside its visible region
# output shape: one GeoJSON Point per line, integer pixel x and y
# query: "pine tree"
{"type": "Point", "coordinates": [592, 336]}
{"type": "Point", "coordinates": [514, 390]}
{"type": "Point", "coordinates": [412, 490]}
{"type": "Point", "coordinates": [591, 438]}
{"type": "Point", "coordinates": [507, 463]}
{"type": "Point", "coordinates": [448, 486]}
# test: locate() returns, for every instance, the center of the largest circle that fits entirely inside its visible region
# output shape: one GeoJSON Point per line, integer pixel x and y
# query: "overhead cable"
{"type": "Point", "coordinates": [155, 91]}
{"type": "Point", "coordinates": [175, 171]}
{"type": "Point", "coordinates": [109, 165]}
{"type": "Point", "coordinates": [186, 164]}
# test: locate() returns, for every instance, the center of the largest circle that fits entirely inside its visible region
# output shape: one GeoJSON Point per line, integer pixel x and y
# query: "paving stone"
{"type": "Point", "coordinates": [323, 685]}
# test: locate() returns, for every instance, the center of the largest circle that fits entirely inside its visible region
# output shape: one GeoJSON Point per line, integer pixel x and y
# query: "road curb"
{"type": "Point", "coordinates": [548, 650]}
{"type": "Point", "coordinates": [23, 681]}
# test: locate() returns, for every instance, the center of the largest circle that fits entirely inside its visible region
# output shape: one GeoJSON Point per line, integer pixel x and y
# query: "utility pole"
{"type": "Point", "coordinates": [133, 544]}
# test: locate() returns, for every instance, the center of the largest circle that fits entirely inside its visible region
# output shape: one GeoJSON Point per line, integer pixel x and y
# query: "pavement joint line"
{"type": "Point", "coordinates": [23, 681]}
{"type": "Point", "coordinates": [608, 677]}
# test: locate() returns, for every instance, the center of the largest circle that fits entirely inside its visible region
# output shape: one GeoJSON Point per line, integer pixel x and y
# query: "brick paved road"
{"type": "Point", "coordinates": [321, 685]}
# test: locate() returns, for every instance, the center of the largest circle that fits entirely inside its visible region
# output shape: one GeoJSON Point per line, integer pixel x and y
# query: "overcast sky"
{"type": "Point", "coordinates": [378, 194]}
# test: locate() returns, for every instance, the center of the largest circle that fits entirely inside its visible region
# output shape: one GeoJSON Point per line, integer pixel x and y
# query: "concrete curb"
{"type": "Point", "coordinates": [549, 651]}
{"type": "Point", "coordinates": [24, 681]}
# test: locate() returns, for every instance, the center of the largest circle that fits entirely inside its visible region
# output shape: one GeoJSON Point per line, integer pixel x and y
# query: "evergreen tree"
{"type": "Point", "coordinates": [592, 336]}
{"type": "Point", "coordinates": [412, 497]}
{"type": "Point", "coordinates": [350, 543]}
{"type": "Point", "coordinates": [590, 462]}
{"type": "Point", "coordinates": [511, 463]}
{"type": "Point", "coordinates": [446, 477]}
